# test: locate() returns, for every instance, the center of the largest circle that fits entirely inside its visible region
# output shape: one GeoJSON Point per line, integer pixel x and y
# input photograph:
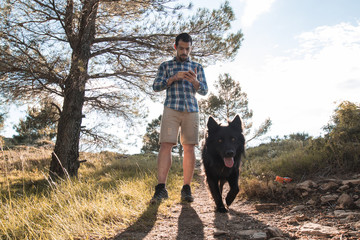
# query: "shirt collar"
{"type": "Point", "coordinates": [187, 60]}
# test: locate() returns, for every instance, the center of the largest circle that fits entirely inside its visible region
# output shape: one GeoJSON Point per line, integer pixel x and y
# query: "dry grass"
{"type": "Point", "coordinates": [111, 192]}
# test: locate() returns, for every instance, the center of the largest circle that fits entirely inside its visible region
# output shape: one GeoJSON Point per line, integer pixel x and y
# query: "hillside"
{"type": "Point", "coordinates": [110, 200]}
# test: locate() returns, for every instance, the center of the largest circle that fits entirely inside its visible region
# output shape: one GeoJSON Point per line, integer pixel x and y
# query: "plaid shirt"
{"type": "Point", "coordinates": [180, 95]}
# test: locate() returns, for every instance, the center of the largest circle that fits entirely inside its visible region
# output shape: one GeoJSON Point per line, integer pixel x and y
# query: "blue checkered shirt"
{"type": "Point", "coordinates": [180, 95]}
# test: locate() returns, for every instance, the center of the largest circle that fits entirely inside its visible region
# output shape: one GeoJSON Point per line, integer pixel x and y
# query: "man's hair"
{"type": "Point", "coordinates": [185, 37]}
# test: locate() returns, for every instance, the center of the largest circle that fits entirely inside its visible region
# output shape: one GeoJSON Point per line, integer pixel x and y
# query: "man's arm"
{"type": "Point", "coordinates": [178, 76]}
{"type": "Point", "coordinates": [162, 81]}
{"type": "Point", "coordinates": [197, 79]}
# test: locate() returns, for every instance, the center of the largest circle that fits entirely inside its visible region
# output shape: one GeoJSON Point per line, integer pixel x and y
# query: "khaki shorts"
{"type": "Point", "coordinates": [188, 123]}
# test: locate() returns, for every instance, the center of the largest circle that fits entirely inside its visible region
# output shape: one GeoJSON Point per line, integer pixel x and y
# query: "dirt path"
{"type": "Point", "coordinates": [199, 221]}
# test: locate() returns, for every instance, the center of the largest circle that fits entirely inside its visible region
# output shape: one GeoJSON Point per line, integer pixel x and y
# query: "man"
{"type": "Point", "coordinates": [182, 79]}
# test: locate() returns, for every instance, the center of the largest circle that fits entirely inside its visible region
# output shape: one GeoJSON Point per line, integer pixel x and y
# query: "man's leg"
{"type": "Point", "coordinates": [188, 163]}
{"type": "Point", "coordinates": [164, 161]}
{"type": "Point", "coordinates": [188, 168]}
{"type": "Point", "coordinates": [164, 164]}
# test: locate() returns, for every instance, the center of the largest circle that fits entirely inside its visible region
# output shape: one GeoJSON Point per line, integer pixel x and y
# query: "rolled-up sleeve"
{"type": "Point", "coordinates": [160, 82]}
{"type": "Point", "coordinates": [203, 88]}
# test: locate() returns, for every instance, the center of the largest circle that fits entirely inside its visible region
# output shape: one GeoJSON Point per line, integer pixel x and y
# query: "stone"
{"type": "Point", "coordinates": [329, 185]}
{"type": "Point", "coordinates": [344, 214]}
{"type": "Point", "coordinates": [259, 236]}
{"type": "Point", "coordinates": [357, 225]}
{"type": "Point", "coordinates": [301, 218]}
{"type": "Point", "coordinates": [218, 232]}
{"type": "Point", "coordinates": [329, 198]}
{"type": "Point", "coordinates": [266, 206]}
{"type": "Point", "coordinates": [307, 185]}
{"type": "Point", "coordinates": [298, 208]}
{"type": "Point", "coordinates": [253, 234]}
{"type": "Point", "coordinates": [274, 232]}
{"type": "Point", "coordinates": [357, 203]}
{"type": "Point", "coordinates": [318, 230]}
{"type": "Point", "coordinates": [353, 182]}
{"type": "Point", "coordinates": [343, 188]}
{"type": "Point", "coordinates": [311, 202]}
{"type": "Point", "coordinates": [345, 201]}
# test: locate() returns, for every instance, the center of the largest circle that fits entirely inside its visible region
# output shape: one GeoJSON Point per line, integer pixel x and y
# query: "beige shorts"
{"type": "Point", "coordinates": [172, 120]}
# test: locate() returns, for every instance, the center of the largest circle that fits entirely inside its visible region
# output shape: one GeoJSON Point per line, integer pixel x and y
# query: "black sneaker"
{"type": "Point", "coordinates": [186, 194]}
{"type": "Point", "coordinates": [160, 193]}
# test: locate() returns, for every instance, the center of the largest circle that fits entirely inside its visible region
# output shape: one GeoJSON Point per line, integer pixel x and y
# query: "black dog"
{"type": "Point", "coordinates": [221, 155]}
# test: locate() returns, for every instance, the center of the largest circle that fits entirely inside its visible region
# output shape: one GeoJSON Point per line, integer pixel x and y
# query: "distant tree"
{"type": "Point", "coordinates": [2, 120]}
{"type": "Point", "coordinates": [299, 137]}
{"type": "Point", "coordinates": [151, 137]}
{"type": "Point", "coordinates": [226, 103]}
{"type": "Point", "coordinates": [39, 124]}
{"type": "Point", "coordinates": [98, 55]}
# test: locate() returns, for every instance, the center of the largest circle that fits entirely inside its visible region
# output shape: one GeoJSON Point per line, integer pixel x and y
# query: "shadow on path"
{"type": "Point", "coordinates": [141, 228]}
{"type": "Point", "coordinates": [238, 225]}
{"type": "Point", "coordinates": [190, 225]}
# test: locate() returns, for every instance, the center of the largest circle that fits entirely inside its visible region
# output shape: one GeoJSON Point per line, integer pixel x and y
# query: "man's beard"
{"type": "Point", "coordinates": [183, 57]}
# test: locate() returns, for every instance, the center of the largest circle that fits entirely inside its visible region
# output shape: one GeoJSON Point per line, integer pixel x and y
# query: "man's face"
{"type": "Point", "coordinates": [183, 50]}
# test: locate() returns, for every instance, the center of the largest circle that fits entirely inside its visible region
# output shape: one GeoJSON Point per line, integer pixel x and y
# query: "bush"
{"type": "Point", "coordinates": [343, 137]}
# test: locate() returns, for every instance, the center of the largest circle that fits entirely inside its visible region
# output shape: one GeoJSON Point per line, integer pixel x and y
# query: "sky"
{"type": "Point", "coordinates": [298, 61]}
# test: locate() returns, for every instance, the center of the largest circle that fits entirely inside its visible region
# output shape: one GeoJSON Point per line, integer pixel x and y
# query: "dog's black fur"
{"type": "Point", "coordinates": [221, 155]}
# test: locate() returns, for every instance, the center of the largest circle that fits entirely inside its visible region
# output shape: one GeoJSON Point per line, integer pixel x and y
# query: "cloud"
{"type": "Point", "coordinates": [307, 81]}
{"type": "Point", "coordinates": [299, 88]}
{"type": "Point", "coordinates": [253, 9]}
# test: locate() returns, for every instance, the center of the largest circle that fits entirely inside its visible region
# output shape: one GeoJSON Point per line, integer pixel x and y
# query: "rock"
{"type": "Point", "coordinates": [266, 206]}
{"type": "Point", "coordinates": [318, 230]}
{"type": "Point", "coordinates": [305, 194]}
{"type": "Point", "coordinates": [343, 188]}
{"type": "Point", "coordinates": [356, 175]}
{"type": "Point", "coordinates": [311, 202]}
{"type": "Point", "coordinates": [307, 185]}
{"type": "Point", "coordinates": [253, 234]}
{"type": "Point", "coordinates": [329, 185]}
{"type": "Point", "coordinates": [218, 232]}
{"type": "Point", "coordinates": [274, 232]}
{"type": "Point", "coordinates": [351, 182]}
{"type": "Point", "coordinates": [297, 208]}
{"type": "Point", "coordinates": [357, 203]}
{"type": "Point", "coordinates": [301, 218]}
{"type": "Point", "coordinates": [345, 201]}
{"type": "Point", "coordinates": [329, 198]}
{"type": "Point", "coordinates": [259, 236]}
{"type": "Point", "coordinates": [357, 225]}
{"type": "Point", "coordinates": [344, 214]}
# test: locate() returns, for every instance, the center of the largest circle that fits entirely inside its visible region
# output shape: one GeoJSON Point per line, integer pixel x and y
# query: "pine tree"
{"type": "Point", "coordinates": [228, 102]}
{"type": "Point", "coordinates": [39, 124]}
{"type": "Point", "coordinates": [99, 56]}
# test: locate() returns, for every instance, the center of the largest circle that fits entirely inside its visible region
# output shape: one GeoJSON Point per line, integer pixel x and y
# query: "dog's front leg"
{"type": "Point", "coordinates": [234, 187]}
{"type": "Point", "coordinates": [215, 192]}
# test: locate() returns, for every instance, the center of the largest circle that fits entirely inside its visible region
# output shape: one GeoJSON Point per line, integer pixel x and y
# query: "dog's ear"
{"type": "Point", "coordinates": [212, 124]}
{"type": "Point", "coordinates": [236, 123]}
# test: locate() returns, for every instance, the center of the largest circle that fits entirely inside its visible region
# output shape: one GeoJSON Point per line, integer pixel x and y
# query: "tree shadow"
{"type": "Point", "coordinates": [24, 187]}
{"type": "Point", "coordinates": [143, 225]}
{"type": "Point", "coordinates": [190, 225]}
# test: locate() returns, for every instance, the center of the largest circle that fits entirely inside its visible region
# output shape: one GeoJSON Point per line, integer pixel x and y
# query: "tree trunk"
{"type": "Point", "coordinates": [65, 158]}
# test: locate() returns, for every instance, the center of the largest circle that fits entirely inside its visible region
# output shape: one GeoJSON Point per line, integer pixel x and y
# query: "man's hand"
{"type": "Point", "coordinates": [191, 76]}
{"type": "Point", "coordinates": [178, 76]}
